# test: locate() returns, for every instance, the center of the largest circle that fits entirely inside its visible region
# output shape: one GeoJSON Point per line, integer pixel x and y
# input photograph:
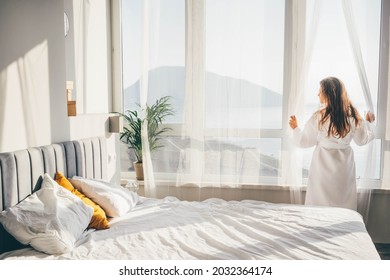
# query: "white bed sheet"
{"type": "Point", "coordinates": [217, 229]}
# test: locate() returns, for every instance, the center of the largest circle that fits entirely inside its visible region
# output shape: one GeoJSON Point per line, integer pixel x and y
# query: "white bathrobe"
{"type": "Point", "coordinates": [332, 174]}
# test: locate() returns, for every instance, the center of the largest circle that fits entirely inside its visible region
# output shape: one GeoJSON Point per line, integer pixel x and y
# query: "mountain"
{"type": "Point", "coordinates": [221, 91]}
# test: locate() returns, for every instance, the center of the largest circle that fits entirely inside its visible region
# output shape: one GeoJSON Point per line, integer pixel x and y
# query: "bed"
{"type": "Point", "coordinates": [162, 229]}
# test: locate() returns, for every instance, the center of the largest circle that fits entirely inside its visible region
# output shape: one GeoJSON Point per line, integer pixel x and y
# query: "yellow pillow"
{"type": "Point", "coordinates": [99, 218]}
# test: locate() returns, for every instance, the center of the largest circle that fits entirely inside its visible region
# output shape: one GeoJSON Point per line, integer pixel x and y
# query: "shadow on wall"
{"type": "Point", "coordinates": [32, 74]}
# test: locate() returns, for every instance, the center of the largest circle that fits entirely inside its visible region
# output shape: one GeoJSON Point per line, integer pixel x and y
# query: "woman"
{"type": "Point", "coordinates": [332, 179]}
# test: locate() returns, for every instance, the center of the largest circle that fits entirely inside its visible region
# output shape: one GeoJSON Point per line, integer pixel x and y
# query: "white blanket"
{"type": "Point", "coordinates": [218, 229]}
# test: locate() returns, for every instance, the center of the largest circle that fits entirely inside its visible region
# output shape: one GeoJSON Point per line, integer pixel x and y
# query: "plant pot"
{"type": "Point", "coordinates": [139, 170]}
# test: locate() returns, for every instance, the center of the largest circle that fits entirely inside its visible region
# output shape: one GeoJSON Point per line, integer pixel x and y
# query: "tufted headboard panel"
{"type": "Point", "coordinates": [21, 171]}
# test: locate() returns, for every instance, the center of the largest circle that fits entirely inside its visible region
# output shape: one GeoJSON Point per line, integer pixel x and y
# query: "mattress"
{"type": "Point", "coordinates": [170, 229]}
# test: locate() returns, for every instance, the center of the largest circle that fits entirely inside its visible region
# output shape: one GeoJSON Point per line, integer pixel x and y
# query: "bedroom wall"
{"type": "Point", "coordinates": [32, 74]}
{"type": "Point", "coordinates": [36, 60]}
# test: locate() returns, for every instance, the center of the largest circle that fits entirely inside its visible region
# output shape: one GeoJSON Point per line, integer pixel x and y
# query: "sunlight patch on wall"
{"type": "Point", "coordinates": [26, 96]}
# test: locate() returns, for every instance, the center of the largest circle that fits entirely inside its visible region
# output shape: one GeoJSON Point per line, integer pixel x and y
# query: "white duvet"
{"type": "Point", "coordinates": [217, 229]}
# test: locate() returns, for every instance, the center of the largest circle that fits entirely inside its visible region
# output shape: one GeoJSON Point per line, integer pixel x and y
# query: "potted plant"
{"type": "Point", "coordinates": [131, 135]}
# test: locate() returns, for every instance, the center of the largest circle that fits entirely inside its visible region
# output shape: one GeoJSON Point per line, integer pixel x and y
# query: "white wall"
{"type": "Point", "coordinates": [32, 74]}
{"type": "Point", "coordinates": [36, 60]}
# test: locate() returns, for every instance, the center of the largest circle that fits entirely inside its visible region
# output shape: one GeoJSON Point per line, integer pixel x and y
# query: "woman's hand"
{"type": "Point", "coordinates": [293, 122]}
{"type": "Point", "coordinates": [370, 117]}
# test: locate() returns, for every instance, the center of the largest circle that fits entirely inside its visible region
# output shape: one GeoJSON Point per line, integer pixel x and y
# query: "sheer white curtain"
{"type": "Point", "coordinates": [357, 52]}
{"type": "Point", "coordinates": [233, 98]}
{"type": "Point", "coordinates": [301, 62]}
{"type": "Point", "coordinates": [191, 160]}
{"type": "Point", "coordinates": [149, 49]}
{"type": "Point", "coordinates": [365, 187]}
{"type": "Point", "coordinates": [301, 55]}
{"type": "Point", "coordinates": [247, 69]}
{"type": "Point", "coordinates": [153, 67]}
{"type": "Point", "coordinates": [333, 40]}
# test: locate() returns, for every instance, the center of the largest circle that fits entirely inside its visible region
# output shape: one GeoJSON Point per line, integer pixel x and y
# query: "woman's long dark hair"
{"type": "Point", "coordinates": [339, 109]}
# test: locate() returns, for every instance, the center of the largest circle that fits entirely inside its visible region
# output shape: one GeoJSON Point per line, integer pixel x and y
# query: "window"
{"type": "Point", "coordinates": [332, 53]}
{"type": "Point", "coordinates": [244, 64]}
{"type": "Point", "coordinates": [241, 72]}
{"type": "Point", "coordinates": [166, 57]}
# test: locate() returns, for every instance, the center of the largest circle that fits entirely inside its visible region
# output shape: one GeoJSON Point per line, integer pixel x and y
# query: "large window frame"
{"type": "Point", "coordinates": [291, 55]}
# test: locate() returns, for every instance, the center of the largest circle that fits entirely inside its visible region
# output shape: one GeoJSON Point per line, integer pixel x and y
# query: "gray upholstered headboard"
{"type": "Point", "coordinates": [21, 171]}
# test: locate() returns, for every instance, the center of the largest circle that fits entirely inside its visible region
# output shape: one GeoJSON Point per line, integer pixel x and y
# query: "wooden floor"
{"type": "Point", "coordinates": [383, 250]}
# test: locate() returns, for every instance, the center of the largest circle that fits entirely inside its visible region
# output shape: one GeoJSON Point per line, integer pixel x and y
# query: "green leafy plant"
{"type": "Point", "coordinates": [154, 116]}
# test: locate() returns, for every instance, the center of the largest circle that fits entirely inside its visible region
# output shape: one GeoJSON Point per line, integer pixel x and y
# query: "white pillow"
{"type": "Point", "coordinates": [114, 199]}
{"type": "Point", "coordinates": [51, 220]}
